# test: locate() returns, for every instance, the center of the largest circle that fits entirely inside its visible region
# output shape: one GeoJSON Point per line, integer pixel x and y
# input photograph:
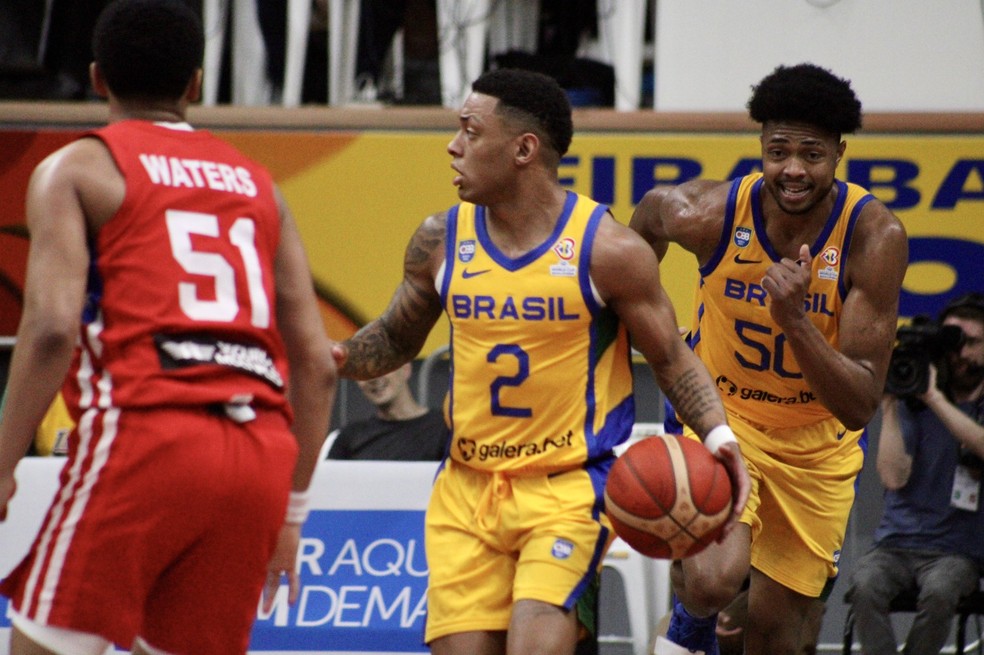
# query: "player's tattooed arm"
{"type": "Point", "coordinates": [697, 402]}
{"type": "Point", "coordinates": [398, 335]}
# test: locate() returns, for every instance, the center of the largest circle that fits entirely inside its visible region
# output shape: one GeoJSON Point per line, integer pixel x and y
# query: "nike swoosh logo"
{"type": "Point", "coordinates": [467, 274]}
{"type": "Point", "coordinates": [739, 260]}
{"type": "Point", "coordinates": [840, 435]}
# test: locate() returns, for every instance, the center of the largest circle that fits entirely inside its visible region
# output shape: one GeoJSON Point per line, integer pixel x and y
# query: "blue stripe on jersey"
{"type": "Point", "coordinates": [509, 263]}
{"type": "Point", "coordinates": [450, 239]}
{"type": "Point", "coordinates": [846, 246]}
{"type": "Point", "coordinates": [726, 228]}
{"type": "Point", "coordinates": [597, 471]}
{"type": "Point", "coordinates": [758, 220]}
{"type": "Point", "coordinates": [584, 265]}
{"type": "Point", "coordinates": [584, 270]}
{"type": "Point", "coordinates": [617, 425]}
{"type": "Point", "coordinates": [815, 249]}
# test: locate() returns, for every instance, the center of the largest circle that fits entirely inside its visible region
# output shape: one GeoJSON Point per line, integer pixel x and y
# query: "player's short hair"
{"type": "Point", "coordinates": [148, 49]}
{"type": "Point", "coordinates": [806, 93]}
{"type": "Point", "coordinates": [535, 100]}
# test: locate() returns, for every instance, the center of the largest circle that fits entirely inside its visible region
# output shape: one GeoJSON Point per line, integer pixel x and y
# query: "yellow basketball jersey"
{"type": "Point", "coordinates": [540, 369]}
{"type": "Point", "coordinates": [735, 336]}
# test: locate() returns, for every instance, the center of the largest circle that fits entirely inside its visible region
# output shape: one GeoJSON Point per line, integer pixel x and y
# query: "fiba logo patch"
{"type": "Point", "coordinates": [831, 255]}
{"type": "Point", "coordinates": [565, 248]}
{"type": "Point", "coordinates": [562, 549]}
{"type": "Point", "coordinates": [743, 235]}
{"type": "Point", "coordinates": [466, 251]}
{"type": "Point", "coordinates": [726, 386]}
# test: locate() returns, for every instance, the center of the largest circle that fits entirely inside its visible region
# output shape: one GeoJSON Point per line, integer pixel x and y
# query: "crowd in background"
{"type": "Point", "coordinates": [45, 49]}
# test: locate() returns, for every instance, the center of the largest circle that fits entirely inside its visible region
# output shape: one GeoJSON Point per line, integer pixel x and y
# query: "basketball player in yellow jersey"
{"type": "Point", "coordinates": [543, 288]}
{"type": "Point", "coordinates": [795, 319]}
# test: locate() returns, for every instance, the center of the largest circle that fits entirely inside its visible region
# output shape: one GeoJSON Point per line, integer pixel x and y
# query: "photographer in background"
{"type": "Point", "coordinates": [930, 459]}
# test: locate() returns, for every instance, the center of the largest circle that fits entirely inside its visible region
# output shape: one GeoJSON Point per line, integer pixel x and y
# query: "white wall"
{"type": "Point", "coordinates": [901, 55]}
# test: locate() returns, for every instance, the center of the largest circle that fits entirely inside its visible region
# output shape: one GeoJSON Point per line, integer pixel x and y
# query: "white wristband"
{"type": "Point", "coordinates": [298, 507]}
{"type": "Point", "coordinates": [717, 437]}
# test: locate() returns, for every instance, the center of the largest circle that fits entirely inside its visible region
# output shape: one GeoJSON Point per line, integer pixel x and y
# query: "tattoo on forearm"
{"type": "Point", "coordinates": [371, 353]}
{"type": "Point", "coordinates": [694, 400]}
{"type": "Point", "coordinates": [398, 335]}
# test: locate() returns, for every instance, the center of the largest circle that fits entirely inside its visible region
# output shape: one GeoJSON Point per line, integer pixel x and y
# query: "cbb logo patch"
{"type": "Point", "coordinates": [743, 236]}
{"type": "Point", "coordinates": [466, 250]}
{"type": "Point", "coordinates": [562, 549]}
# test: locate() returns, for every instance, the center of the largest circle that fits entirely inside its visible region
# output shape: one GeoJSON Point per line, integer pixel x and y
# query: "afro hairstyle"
{"type": "Point", "coordinates": [806, 93]}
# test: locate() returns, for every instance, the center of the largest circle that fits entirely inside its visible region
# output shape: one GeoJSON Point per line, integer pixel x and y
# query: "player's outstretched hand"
{"type": "Point", "coordinates": [283, 563]}
{"type": "Point", "coordinates": [741, 484]}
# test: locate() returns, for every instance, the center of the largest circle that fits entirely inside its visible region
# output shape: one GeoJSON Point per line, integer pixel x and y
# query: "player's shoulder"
{"type": "Point", "coordinates": [698, 195]}
{"type": "Point", "coordinates": [877, 222]}
{"type": "Point", "coordinates": [436, 222]}
{"type": "Point", "coordinates": [619, 251]}
{"type": "Point", "coordinates": [81, 159]}
{"type": "Point", "coordinates": [431, 235]}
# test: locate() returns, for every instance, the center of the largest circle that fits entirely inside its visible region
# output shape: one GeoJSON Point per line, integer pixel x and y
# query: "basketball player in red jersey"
{"type": "Point", "coordinates": [167, 279]}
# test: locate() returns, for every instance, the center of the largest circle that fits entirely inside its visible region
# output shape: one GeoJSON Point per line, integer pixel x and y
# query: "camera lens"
{"type": "Point", "coordinates": [907, 373]}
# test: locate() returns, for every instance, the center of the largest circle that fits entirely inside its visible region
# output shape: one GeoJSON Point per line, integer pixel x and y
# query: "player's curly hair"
{"type": "Point", "coordinates": [148, 49]}
{"type": "Point", "coordinates": [806, 93]}
{"type": "Point", "coordinates": [534, 99]}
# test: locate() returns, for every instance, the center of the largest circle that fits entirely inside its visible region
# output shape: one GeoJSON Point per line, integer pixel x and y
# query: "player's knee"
{"type": "Point", "coordinates": [710, 591]}
{"type": "Point", "coordinates": [709, 596]}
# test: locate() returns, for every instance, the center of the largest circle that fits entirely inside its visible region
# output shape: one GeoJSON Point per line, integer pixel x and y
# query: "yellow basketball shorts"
{"type": "Point", "coordinates": [493, 539]}
{"type": "Point", "coordinates": [803, 487]}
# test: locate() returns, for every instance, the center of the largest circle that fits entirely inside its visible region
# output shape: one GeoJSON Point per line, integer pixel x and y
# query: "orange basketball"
{"type": "Point", "coordinates": [668, 497]}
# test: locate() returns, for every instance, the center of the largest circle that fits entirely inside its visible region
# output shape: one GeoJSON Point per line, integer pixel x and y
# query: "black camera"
{"type": "Point", "coordinates": [919, 344]}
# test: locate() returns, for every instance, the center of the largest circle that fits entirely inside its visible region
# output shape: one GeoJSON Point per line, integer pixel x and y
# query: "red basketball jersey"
{"type": "Point", "coordinates": [181, 307]}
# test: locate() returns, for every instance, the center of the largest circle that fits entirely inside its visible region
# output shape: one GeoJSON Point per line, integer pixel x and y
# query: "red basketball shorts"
{"type": "Point", "coordinates": [162, 527]}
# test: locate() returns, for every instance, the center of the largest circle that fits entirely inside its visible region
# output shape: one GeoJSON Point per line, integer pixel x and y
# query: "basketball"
{"type": "Point", "coordinates": [668, 497]}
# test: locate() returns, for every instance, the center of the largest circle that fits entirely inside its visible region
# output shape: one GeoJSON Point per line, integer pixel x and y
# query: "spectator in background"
{"type": "Point", "coordinates": [931, 536]}
{"type": "Point", "coordinates": [379, 21]}
{"type": "Point", "coordinates": [400, 429]}
{"type": "Point", "coordinates": [45, 48]}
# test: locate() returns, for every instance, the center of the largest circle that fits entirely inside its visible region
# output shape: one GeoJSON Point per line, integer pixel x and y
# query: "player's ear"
{"type": "Point", "coordinates": [194, 90]}
{"type": "Point", "coordinates": [98, 81]}
{"type": "Point", "coordinates": [528, 146]}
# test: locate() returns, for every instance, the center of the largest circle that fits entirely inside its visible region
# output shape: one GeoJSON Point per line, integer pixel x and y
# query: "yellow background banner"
{"type": "Point", "coordinates": [358, 199]}
{"type": "Point", "coordinates": [359, 195]}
